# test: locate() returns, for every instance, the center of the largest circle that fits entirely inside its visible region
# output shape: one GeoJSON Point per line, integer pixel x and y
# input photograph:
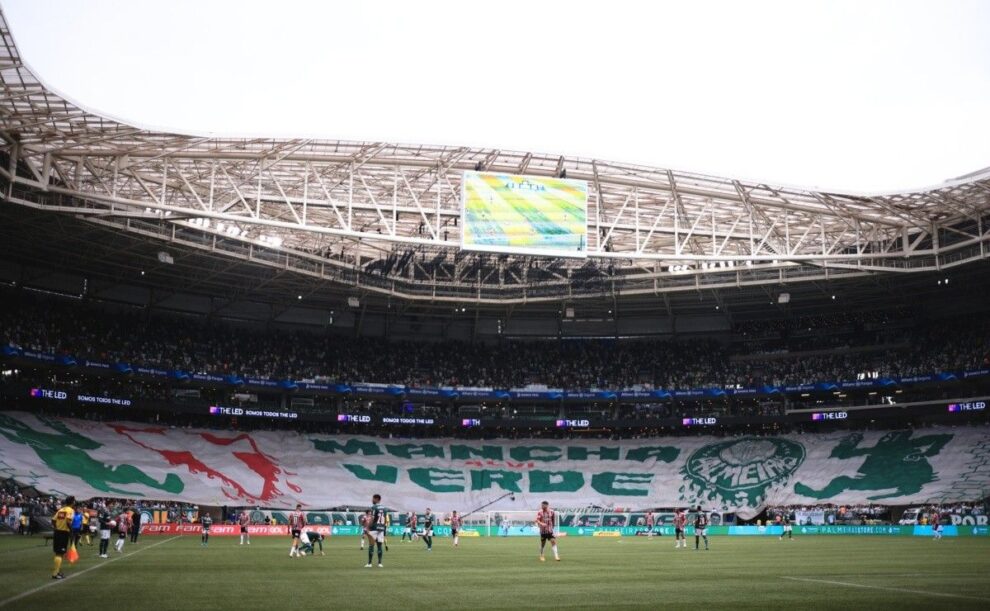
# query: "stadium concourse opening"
{"type": "Point", "coordinates": [272, 372]}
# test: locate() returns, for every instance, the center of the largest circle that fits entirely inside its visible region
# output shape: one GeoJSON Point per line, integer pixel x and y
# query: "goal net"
{"type": "Point", "coordinates": [516, 523]}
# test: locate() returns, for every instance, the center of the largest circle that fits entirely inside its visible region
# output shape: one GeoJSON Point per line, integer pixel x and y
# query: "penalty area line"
{"type": "Point", "coordinates": [4, 603]}
{"type": "Point", "coordinates": [888, 588]}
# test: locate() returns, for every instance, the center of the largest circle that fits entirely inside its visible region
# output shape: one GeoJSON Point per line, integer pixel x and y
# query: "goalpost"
{"type": "Point", "coordinates": [516, 523]}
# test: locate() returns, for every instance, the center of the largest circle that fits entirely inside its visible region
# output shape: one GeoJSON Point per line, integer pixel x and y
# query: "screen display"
{"type": "Point", "coordinates": [406, 420]}
{"type": "Point", "coordinates": [47, 393]}
{"type": "Point", "coordinates": [573, 424]}
{"type": "Point", "coordinates": [219, 410]}
{"type": "Point", "coordinates": [819, 416]}
{"type": "Point", "coordinates": [699, 421]}
{"type": "Point", "coordinates": [353, 418]}
{"type": "Point", "coordinates": [524, 214]}
{"type": "Point", "coordinates": [972, 406]}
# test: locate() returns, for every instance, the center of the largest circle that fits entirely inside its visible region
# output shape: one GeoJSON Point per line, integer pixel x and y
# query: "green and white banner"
{"type": "Point", "coordinates": [278, 469]}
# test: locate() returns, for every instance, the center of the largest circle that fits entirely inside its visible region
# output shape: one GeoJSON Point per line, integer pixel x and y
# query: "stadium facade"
{"type": "Point", "coordinates": [267, 221]}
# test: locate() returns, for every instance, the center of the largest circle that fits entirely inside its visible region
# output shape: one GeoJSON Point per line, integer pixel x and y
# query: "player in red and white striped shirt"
{"type": "Point", "coordinates": [455, 526]}
{"type": "Point", "coordinates": [365, 521]}
{"type": "Point", "coordinates": [123, 525]}
{"type": "Point", "coordinates": [545, 518]}
{"type": "Point", "coordinates": [680, 523]}
{"type": "Point", "coordinates": [245, 520]}
{"type": "Point", "coordinates": [297, 522]}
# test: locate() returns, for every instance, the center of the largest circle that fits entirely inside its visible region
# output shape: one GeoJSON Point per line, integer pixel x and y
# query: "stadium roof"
{"type": "Point", "coordinates": [383, 218]}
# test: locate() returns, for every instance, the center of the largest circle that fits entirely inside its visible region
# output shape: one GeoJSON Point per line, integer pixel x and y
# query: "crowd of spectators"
{"type": "Point", "coordinates": [198, 345]}
{"type": "Point", "coordinates": [866, 513]}
{"type": "Point", "coordinates": [873, 513]}
{"type": "Point", "coordinates": [174, 512]}
{"type": "Point", "coordinates": [35, 510]}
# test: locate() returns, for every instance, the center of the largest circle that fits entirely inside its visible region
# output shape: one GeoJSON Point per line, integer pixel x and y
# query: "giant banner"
{"type": "Point", "coordinates": [279, 469]}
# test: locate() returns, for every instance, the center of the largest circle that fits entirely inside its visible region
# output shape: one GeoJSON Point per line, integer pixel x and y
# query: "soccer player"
{"type": "Point", "coordinates": [680, 523]}
{"type": "Point", "coordinates": [206, 523]}
{"type": "Point", "coordinates": [376, 530]}
{"type": "Point", "coordinates": [308, 538]}
{"type": "Point", "coordinates": [455, 526]}
{"type": "Point", "coordinates": [123, 524]}
{"type": "Point", "coordinates": [936, 522]}
{"type": "Point", "coordinates": [86, 527]}
{"type": "Point", "coordinates": [785, 522]}
{"type": "Point", "coordinates": [135, 525]}
{"type": "Point", "coordinates": [245, 520]}
{"type": "Point", "coordinates": [304, 543]}
{"type": "Point", "coordinates": [388, 524]}
{"type": "Point", "coordinates": [700, 528]}
{"type": "Point", "coordinates": [106, 524]}
{"type": "Point", "coordinates": [412, 524]}
{"type": "Point", "coordinates": [297, 522]}
{"type": "Point", "coordinates": [428, 530]}
{"type": "Point", "coordinates": [365, 521]}
{"type": "Point", "coordinates": [544, 521]}
{"type": "Point", "coordinates": [62, 534]}
{"type": "Point", "coordinates": [650, 523]}
{"type": "Point", "coordinates": [407, 530]}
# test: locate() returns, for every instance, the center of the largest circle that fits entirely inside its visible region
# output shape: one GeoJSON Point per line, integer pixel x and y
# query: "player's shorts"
{"type": "Point", "coordinates": [123, 535]}
{"type": "Point", "coordinates": [60, 542]}
{"type": "Point", "coordinates": [678, 532]}
{"type": "Point", "coordinates": [378, 536]}
{"type": "Point", "coordinates": [936, 527]}
{"type": "Point", "coordinates": [244, 530]}
{"type": "Point", "coordinates": [701, 532]}
{"type": "Point", "coordinates": [296, 532]}
{"type": "Point", "coordinates": [787, 528]}
{"type": "Point", "coordinates": [105, 533]}
{"type": "Point", "coordinates": [407, 530]}
{"type": "Point", "coordinates": [92, 528]}
{"type": "Point", "coordinates": [547, 536]}
{"type": "Point", "coordinates": [427, 532]}
{"type": "Point", "coordinates": [453, 532]}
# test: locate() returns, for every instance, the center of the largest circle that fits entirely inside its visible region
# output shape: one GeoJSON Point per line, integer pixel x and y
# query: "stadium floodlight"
{"type": "Point", "coordinates": [569, 312]}
{"type": "Point", "coordinates": [354, 302]}
{"type": "Point", "coordinates": [164, 257]}
{"type": "Point", "coordinates": [784, 298]}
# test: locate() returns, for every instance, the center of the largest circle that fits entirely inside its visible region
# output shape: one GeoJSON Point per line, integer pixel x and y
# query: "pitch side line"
{"type": "Point", "coordinates": [4, 603]}
{"type": "Point", "coordinates": [888, 588]}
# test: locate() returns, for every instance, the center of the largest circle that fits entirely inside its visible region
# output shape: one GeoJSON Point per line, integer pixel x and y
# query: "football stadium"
{"type": "Point", "coordinates": [257, 373]}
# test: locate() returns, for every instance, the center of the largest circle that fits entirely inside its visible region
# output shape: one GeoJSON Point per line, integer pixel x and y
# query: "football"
{"type": "Point", "coordinates": [113, 523]}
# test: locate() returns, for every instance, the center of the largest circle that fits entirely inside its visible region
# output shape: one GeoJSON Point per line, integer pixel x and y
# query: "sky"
{"type": "Point", "coordinates": [863, 96]}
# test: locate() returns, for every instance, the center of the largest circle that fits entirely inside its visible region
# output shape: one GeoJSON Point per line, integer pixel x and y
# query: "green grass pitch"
{"type": "Point", "coordinates": [595, 573]}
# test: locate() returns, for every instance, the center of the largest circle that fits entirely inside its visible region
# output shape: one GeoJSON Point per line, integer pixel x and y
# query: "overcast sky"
{"type": "Point", "coordinates": [864, 96]}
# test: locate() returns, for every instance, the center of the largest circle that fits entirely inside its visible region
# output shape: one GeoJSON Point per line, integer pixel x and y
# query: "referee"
{"type": "Point", "coordinates": [62, 523]}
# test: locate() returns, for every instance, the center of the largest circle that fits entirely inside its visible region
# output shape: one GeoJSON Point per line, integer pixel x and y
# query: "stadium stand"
{"type": "Point", "coordinates": [80, 330]}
